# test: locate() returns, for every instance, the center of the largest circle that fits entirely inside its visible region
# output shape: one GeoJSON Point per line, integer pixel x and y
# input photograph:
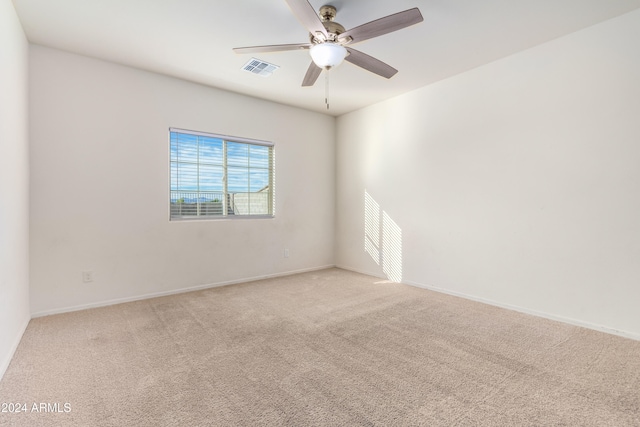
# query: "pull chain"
{"type": "Point", "coordinates": [326, 87]}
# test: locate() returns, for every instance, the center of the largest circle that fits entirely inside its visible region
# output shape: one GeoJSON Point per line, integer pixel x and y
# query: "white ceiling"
{"type": "Point", "coordinates": [193, 40]}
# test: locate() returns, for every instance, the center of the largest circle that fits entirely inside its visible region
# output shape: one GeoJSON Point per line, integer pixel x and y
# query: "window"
{"type": "Point", "coordinates": [215, 176]}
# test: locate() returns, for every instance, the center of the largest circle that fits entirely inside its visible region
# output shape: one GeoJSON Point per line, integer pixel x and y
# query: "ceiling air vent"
{"type": "Point", "coordinates": [259, 67]}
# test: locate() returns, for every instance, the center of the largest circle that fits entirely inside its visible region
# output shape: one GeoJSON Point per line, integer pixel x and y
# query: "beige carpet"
{"type": "Point", "coordinates": [328, 348]}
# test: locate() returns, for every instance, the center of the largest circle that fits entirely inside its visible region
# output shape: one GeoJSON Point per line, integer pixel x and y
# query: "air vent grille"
{"type": "Point", "coordinates": [259, 67]}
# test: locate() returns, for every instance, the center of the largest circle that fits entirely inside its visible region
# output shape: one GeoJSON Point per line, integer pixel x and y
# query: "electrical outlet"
{"type": "Point", "coordinates": [87, 276]}
{"type": "Point", "coordinates": [286, 253]}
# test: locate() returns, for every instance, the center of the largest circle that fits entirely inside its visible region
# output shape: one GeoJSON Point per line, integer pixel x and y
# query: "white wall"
{"type": "Point", "coordinates": [14, 183]}
{"type": "Point", "coordinates": [516, 183]}
{"type": "Point", "coordinates": [99, 185]}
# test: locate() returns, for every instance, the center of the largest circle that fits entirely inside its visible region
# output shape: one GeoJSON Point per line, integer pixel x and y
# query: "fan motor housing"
{"type": "Point", "coordinates": [334, 29]}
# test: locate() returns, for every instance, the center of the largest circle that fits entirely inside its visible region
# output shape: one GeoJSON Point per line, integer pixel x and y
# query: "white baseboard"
{"type": "Point", "coordinates": [368, 273]}
{"type": "Point", "coordinates": [544, 315]}
{"type": "Point", "coordinates": [173, 292]}
{"type": "Point", "coordinates": [4, 364]}
{"type": "Point", "coordinates": [575, 322]}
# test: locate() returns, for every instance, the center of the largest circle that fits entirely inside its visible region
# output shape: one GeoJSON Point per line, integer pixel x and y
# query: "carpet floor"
{"type": "Point", "coordinates": [325, 348]}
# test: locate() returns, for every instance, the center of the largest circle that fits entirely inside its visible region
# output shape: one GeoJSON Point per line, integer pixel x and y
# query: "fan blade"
{"type": "Point", "coordinates": [313, 72]}
{"type": "Point", "coordinates": [271, 48]}
{"type": "Point", "coordinates": [307, 16]}
{"type": "Point", "coordinates": [385, 25]}
{"type": "Point", "coordinates": [370, 63]}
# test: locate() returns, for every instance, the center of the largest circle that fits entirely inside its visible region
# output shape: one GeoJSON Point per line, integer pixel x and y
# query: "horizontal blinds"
{"type": "Point", "coordinates": [212, 175]}
{"type": "Point", "coordinates": [223, 137]}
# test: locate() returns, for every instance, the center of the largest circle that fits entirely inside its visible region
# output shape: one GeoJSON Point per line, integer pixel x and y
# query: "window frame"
{"type": "Point", "coordinates": [225, 168]}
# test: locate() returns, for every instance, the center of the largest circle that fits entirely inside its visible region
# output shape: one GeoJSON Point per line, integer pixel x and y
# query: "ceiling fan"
{"type": "Point", "coordinates": [330, 43]}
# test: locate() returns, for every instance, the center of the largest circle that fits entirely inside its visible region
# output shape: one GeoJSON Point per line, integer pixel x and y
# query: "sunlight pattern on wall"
{"type": "Point", "coordinates": [372, 227]}
{"type": "Point", "coordinates": [382, 239]}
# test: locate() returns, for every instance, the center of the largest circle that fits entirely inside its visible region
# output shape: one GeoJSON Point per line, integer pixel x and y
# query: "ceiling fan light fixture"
{"type": "Point", "coordinates": [328, 55]}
